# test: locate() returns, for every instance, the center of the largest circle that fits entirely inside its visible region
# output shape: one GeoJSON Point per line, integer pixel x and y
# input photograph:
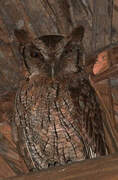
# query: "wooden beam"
{"type": "Point", "coordinates": [102, 23]}
{"type": "Point", "coordinates": [103, 168]}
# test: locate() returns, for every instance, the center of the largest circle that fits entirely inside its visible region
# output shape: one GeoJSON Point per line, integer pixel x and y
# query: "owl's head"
{"type": "Point", "coordinates": [51, 55]}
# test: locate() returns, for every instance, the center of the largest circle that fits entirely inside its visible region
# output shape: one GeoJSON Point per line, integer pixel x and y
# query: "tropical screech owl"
{"type": "Point", "coordinates": [57, 116]}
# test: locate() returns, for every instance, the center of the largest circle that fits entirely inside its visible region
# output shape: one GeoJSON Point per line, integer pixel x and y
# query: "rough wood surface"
{"type": "Point", "coordinates": [55, 17]}
{"type": "Point", "coordinates": [104, 168]}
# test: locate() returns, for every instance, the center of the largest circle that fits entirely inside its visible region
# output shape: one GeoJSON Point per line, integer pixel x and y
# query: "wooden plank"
{"type": "Point", "coordinates": [115, 22]}
{"type": "Point", "coordinates": [104, 168]}
{"type": "Point", "coordinates": [11, 163]}
{"type": "Point", "coordinates": [9, 64]}
{"type": "Point", "coordinates": [102, 21]}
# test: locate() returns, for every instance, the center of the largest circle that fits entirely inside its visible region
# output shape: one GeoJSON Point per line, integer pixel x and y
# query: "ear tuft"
{"type": "Point", "coordinates": [22, 36]}
{"type": "Point", "coordinates": [77, 34]}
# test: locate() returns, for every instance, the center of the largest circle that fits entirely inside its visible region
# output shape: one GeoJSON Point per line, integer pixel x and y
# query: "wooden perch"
{"type": "Point", "coordinates": [103, 168]}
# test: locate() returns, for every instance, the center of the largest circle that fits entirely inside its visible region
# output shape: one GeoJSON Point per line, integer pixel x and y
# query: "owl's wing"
{"type": "Point", "coordinates": [90, 118]}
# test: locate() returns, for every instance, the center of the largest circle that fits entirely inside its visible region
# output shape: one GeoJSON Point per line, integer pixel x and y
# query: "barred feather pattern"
{"type": "Point", "coordinates": [57, 119]}
{"type": "Point", "coordinates": [57, 124]}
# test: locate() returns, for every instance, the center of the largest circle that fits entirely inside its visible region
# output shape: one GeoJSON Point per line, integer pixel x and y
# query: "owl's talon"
{"type": "Point", "coordinates": [53, 164]}
{"type": "Point", "coordinates": [69, 161]}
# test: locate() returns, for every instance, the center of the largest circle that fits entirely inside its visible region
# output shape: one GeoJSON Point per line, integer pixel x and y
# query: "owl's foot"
{"type": "Point", "coordinates": [53, 164]}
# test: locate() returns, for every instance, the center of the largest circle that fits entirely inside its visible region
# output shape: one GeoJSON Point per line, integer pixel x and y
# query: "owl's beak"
{"type": "Point", "coordinates": [52, 71]}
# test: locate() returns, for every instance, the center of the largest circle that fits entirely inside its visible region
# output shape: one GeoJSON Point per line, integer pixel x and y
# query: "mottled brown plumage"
{"type": "Point", "coordinates": [57, 116]}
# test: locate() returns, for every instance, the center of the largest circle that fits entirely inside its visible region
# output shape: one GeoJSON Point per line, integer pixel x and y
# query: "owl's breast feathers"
{"type": "Point", "coordinates": [57, 116]}
{"type": "Point", "coordinates": [59, 123]}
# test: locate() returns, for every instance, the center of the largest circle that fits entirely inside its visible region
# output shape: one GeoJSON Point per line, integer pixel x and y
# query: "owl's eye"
{"type": "Point", "coordinates": [34, 54]}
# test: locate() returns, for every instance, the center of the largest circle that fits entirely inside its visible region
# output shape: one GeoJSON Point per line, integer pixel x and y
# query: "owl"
{"type": "Point", "coordinates": [57, 117]}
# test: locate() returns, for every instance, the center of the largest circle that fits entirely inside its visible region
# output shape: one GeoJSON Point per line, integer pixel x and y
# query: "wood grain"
{"type": "Point", "coordinates": [104, 168]}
